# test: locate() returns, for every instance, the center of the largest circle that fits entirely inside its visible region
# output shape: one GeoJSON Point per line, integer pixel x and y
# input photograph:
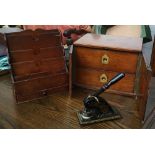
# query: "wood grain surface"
{"type": "Point", "coordinates": [37, 63]}
{"type": "Point", "coordinates": [118, 61]}
{"type": "Point", "coordinates": [91, 78]}
{"type": "Point", "coordinates": [59, 110]}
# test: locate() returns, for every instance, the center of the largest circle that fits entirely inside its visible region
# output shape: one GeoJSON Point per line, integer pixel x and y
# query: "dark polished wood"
{"type": "Point", "coordinates": [59, 110]}
{"type": "Point", "coordinates": [92, 58]}
{"type": "Point", "coordinates": [90, 78]}
{"type": "Point", "coordinates": [38, 64]}
{"type": "Point", "coordinates": [31, 54]}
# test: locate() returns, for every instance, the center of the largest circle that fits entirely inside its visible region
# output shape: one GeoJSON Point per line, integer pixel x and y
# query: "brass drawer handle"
{"type": "Point", "coordinates": [105, 59]}
{"type": "Point", "coordinates": [103, 78]}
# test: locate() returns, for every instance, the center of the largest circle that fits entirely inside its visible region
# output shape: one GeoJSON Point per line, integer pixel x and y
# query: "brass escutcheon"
{"type": "Point", "coordinates": [105, 59]}
{"type": "Point", "coordinates": [103, 78]}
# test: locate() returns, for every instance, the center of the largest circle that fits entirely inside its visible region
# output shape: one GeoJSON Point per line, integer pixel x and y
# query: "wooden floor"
{"type": "Point", "coordinates": [59, 111]}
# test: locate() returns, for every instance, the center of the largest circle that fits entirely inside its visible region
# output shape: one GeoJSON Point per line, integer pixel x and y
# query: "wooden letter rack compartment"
{"type": "Point", "coordinates": [38, 63]}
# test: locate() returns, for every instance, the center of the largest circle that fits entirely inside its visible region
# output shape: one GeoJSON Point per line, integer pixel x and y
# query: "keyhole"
{"type": "Point", "coordinates": [104, 59]}
{"type": "Point", "coordinates": [44, 93]}
{"type": "Point", "coordinates": [103, 78]}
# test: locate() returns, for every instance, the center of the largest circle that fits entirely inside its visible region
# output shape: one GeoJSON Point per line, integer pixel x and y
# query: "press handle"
{"type": "Point", "coordinates": [116, 79]}
{"type": "Point", "coordinates": [108, 84]}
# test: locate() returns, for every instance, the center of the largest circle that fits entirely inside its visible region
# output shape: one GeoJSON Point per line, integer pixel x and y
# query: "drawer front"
{"type": "Point", "coordinates": [30, 55]}
{"type": "Point", "coordinates": [95, 79]}
{"type": "Point", "coordinates": [47, 65]}
{"type": "Point", "coordinates": [106, 60]}
{"type": "Point", "coordinates": [31, 86]}
{"type": "Point", "coordinates": [40, 94]}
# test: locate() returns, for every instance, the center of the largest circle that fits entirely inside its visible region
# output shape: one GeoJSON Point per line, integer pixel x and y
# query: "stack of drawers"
{"type": "Point", "coordinates": [97, 58]}
{"type": "Point", "coordinates": [37, 62]}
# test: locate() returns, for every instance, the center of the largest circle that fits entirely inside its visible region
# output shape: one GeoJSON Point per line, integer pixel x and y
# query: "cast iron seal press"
{"type": "Point", "coordinates": [96, 108]}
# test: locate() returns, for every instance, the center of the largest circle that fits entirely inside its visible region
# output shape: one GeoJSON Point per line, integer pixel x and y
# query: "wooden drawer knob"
{"type": "Point", "coordinates": [103, 78]}
{"type": "Point", "coordinates": [105, 59]}
{"type": "Point", "coordinates": [36, 39]}
{"type": "Point", "coordinates": [44, 92]}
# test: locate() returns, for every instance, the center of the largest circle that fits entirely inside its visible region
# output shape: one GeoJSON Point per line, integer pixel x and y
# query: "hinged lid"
{"type": "Point", "coordinates": [130, 44]}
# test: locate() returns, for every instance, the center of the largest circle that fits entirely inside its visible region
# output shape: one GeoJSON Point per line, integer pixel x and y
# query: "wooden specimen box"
{"type": "Point", "coordinates": [37, 63]}
{"type": "Point", "coordinates": [97, 58]}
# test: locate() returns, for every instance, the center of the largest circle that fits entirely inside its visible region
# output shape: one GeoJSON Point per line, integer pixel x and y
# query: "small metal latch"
{"type": "Point", "coordinates": [103, 78]}
{"type": "Point", "coordinates": [105, 59]}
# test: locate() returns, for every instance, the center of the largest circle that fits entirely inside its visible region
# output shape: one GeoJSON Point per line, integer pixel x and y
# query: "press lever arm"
{"type": "Point", "coordinates": [108, 84]}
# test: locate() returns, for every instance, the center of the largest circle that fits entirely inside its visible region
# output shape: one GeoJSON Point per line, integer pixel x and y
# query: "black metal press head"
{"type": "Point", "coordinates": [96, 108]}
